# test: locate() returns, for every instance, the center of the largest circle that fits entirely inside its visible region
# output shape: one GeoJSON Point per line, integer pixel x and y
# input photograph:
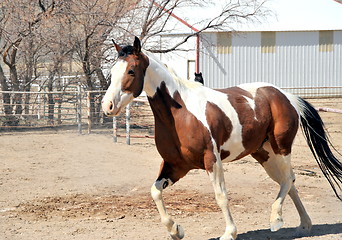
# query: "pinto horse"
{"type": "Point", "coordinates": [200, 128]}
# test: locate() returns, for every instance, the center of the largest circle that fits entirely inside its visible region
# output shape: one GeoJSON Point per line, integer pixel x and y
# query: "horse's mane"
{"type": "Point", "coordinates": [178, 80]}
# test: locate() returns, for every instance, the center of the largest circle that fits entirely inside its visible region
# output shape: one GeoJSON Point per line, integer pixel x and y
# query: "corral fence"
{"type": "Point", "coordinates": [76, 109]}
{"type": "Point", "coordinates": [80, 109]}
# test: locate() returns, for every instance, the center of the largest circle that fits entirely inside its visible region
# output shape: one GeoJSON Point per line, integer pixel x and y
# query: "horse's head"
{"type": "Point", "coordinates": [127, 78]}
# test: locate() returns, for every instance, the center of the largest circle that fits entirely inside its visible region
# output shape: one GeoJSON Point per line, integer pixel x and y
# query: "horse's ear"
{"type": "Point", "coordinates": [117, 47]}
{"type": "Point", "coordinates": [137, 46]}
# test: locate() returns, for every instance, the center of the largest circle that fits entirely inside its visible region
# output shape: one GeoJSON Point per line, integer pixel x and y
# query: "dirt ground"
{"type": "Point", "coordinates": [60, 185]}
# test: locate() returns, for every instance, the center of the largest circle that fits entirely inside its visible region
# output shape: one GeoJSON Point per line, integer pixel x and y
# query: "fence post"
{"type": "Point", "coordinates": [79, 109]}
{"type": "Point", "coordinates": [89, 111]}
{"type": "Point", "coordinates": [128, 117]}
{"type": "Point", "coordinates": [115, 130]}
{"type": "Point", "coordinates": [39, 102]}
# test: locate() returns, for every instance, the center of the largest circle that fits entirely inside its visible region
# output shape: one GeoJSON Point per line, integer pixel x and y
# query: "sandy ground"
{"type": "Point", "coordinates": [60, 185]}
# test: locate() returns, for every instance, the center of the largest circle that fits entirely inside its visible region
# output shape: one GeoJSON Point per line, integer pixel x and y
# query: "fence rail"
{"type": "Point", "coordinates": [316, 92]}
{"type": "Point", "coordinates": [78, 109]}
{"type": "Point", "coordinates": [81, 110]}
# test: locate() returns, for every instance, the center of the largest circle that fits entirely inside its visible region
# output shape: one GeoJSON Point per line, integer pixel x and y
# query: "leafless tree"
{"type": "Point", "coordinates": [57, 57]}
{"type": "Point", "coordinates": [54, 33]}
{"type": "Point", "coordinates": [234, 12]}
{"type": "Point", "coordinates": [19, 20]}
{"type": "Point", "coordinates": [90, 23]}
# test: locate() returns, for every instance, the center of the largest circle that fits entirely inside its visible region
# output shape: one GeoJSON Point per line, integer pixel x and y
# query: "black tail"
{"type": "Point", "coordinates": [318, 141]}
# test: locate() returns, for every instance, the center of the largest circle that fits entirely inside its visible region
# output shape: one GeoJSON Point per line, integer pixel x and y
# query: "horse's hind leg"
{"type": "Point", "coordinates": [175, 230]}
{"type": "Point", "coordinates": [278, 167]}
{"type": "Point", "coordinates": [305, 221]}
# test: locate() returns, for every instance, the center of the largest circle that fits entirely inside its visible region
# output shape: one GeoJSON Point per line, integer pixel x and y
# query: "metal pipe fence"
{"type": "Point", "coordinates": [80, 110]}
{"type": "Point", "coordinates": [315, 92]}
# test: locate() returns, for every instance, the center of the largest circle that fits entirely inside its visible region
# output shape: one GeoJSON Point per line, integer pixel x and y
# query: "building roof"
{"type": "Point", "coordinates": [301, 15]}
{"type": "Point", "coordinates": [289, 15]}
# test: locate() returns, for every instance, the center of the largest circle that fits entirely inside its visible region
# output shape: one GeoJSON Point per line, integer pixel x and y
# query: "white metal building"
{"type": "Point", "coordinates": [301, 50]}
{"type": "Point", "coordinates": [288, 59]}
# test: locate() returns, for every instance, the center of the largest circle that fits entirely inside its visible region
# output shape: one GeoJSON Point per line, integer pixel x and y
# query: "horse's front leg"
{"type": "Point", "coordinates": [217, 179]}
{"type": "Point", "coordinates": [175, 230]}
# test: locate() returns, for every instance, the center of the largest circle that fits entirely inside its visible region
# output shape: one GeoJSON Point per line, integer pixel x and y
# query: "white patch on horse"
{"type": "Point", "coordinates": [155, 74]}
{"type": "Point", "coordinates": [118, 72]}
{"type": "Point", "coordinates": [196, 102]}
{"type": "Point", "coordinates": [294, 100]}
{"type": "Point", "coordinates": [253, 87]}
{"type": "Point", "coordinates": [114, 95]}
{"type": "Point", "coordinates": [251, 103]}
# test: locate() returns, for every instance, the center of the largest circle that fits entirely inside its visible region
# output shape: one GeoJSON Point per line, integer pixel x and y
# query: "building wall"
{"type": "Point", "coordinates": [292, 60]}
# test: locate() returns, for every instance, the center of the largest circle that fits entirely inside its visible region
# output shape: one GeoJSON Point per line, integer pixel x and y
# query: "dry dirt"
{"type": "Point", "coordinates": [60, 185]}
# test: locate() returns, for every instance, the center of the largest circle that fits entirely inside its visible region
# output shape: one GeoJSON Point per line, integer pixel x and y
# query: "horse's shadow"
{"type": "Point", "coordinates": [289, 233]}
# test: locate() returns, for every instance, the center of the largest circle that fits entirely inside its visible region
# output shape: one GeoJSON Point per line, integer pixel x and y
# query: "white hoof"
{"type": "Point", "coordinates": [303, 230]}
{"type": "Point", "coordinates": [227, 238]}
{"type": "Point", "coordinates": [277, 224]}
{"type": "Point", "coordinates": [230, 234]}
{"type": "Point", "coordinates": [177, 232]}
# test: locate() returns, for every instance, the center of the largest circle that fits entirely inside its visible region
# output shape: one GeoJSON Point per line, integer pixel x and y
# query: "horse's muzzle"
{"type": "Point", "coordinates": [109, 108]}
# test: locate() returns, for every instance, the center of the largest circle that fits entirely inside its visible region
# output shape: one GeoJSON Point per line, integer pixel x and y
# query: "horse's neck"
{"type": "Point", "coordinates": [156, 74]}
{"type": "Point", "coordinates": [163, 93]}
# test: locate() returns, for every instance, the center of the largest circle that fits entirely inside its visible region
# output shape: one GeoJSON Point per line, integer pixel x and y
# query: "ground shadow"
{"type": "Point", "coordinates": [289, 233]}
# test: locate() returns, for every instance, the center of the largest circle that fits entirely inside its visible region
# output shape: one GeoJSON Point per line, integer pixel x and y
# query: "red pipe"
{"type": "Point", "coordinates": [175, 16]}
{"type": "Point", "coordinates": [189, 26]}
{"type": "Point", "coordinates": [197, 52]}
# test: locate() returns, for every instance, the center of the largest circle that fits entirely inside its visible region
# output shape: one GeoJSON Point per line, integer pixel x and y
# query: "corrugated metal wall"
{"type": "Point", "coordinates": [296, 61]}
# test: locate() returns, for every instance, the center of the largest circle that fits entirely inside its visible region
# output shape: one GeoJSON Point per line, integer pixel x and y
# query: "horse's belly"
{"type": "Point", "coordinates": [233, 146]}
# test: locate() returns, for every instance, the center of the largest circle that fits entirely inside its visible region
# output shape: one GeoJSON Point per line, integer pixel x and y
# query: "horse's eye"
{"type": "Point", "coordinates": [131, 72]}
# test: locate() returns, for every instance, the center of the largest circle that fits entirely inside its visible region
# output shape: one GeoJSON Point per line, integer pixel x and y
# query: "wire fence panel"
{"type": "Point", "coordinates": [77, 109]}
{"type": "Point", "coordinates": [36, 109]}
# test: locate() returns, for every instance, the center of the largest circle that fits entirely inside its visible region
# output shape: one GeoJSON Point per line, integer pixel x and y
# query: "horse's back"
{"type": "Point", "coordinates": [264, 112]}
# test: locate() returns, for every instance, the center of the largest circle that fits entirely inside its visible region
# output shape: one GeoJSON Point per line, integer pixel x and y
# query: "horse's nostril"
{"type": "Point", "coordinates": [111, 105]}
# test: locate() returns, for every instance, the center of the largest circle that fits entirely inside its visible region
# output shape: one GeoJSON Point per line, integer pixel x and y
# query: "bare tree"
{"type": "Point", "coordinates": [19, 20]}
{"type": "Point", "coordinates": [52, 33]}
{"type": "Point", "coordinates": [91, 22]}
{"type": "Point", "coordinates": [57, 58]}
{"type": "Point", "coordinates": [232, 13]}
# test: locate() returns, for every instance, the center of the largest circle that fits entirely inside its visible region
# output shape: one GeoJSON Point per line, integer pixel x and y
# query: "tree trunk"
{"type": "Point", "coordinates": [6, 99]}
{"type": "Point", "coordinates": [28, 74]}
{"type": "Point", "coordinates": [10, 61]}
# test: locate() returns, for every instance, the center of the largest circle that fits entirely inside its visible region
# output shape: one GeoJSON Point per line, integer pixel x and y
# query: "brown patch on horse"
{"type": "Point", "coordinates": [220, 126]}
{"type": "Point", "coordinates": [133, 80]}
{"type": "Point", "coordinates": [181, 139]}
{"type": "Point", "coordinates": [261, 155]}
{"type": "Point", "coordinates": [236, 91]}
{"type": "Point", "coordinates": [284, 120]}
{"type": "Point", "coordinates": [224, 154]}
{"type": "Point", "coordinates": [254, 122]}
{"type": "Point", "coordinates": [273, 117]}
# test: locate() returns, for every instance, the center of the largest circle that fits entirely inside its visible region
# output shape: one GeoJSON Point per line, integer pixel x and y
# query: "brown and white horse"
{"type": "Point", "coordinates": [199, 128]}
